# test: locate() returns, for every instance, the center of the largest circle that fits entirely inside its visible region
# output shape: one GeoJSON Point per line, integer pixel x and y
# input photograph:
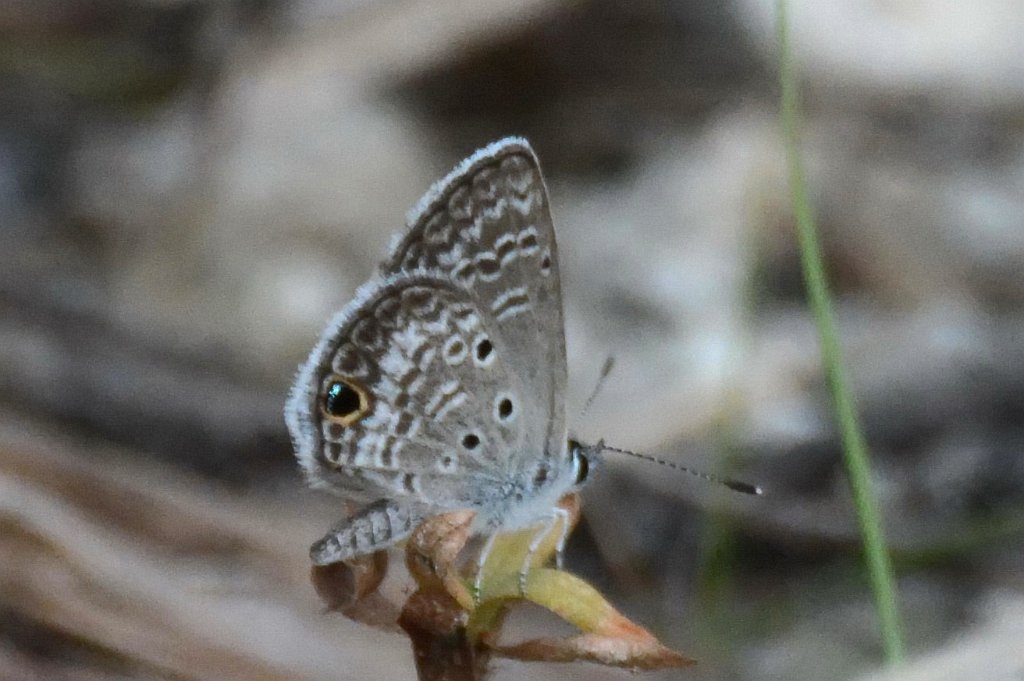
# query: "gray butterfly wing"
{"type": "Point", "coordinates": [409, 396]}
{"type": "Point", "coordinates": [487, 225]}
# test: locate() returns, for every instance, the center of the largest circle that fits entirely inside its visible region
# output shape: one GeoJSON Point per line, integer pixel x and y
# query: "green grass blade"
{"type": "Point", "coordinates": [854, 448]}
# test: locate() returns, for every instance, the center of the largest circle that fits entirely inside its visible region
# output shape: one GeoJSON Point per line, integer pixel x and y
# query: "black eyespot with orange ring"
{"type": "Point", "coordinates": [344, 400]}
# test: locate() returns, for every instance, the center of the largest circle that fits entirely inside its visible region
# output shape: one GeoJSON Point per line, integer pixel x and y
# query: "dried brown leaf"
{"type": "Point", "coordinates": [351, 589]}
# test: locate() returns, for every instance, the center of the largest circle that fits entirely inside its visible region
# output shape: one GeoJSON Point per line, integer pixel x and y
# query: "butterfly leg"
{"type": "Point", "coordinates": [480, 560]}
{"type": "Point", "coordinates": [562, 536]}
{"type": "Point", "coordinates": [557, 514]}
{"type": "Point", "coordinates": [377, 526]}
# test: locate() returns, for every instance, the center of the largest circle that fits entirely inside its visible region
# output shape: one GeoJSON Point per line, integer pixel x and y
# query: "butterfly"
{"type": "Point", "coordinates": [441, 385]}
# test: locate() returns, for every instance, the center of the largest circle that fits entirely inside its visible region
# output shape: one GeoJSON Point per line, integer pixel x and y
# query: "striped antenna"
{"type": "Point", "coordinates": [735, 485]}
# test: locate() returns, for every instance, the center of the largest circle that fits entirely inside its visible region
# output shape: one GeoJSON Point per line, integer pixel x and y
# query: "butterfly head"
{"type": "Point", "coordinates": [583, 459]}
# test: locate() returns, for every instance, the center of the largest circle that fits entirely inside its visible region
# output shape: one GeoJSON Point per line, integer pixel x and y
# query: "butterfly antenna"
{"type": "Point", "coordinates": [735, 485]}
{"type": "Point", "coordinates": [609, 363]}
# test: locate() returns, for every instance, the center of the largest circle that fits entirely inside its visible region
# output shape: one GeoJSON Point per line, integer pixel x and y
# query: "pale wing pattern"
{"type": "Point", "coordinates": [436, 428]}
{"type": "Point", "coordinates": [487, 225]}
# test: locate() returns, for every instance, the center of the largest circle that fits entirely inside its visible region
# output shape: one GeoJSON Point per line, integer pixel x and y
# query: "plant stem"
{"type": "Point", "coordinates": [854, 448]}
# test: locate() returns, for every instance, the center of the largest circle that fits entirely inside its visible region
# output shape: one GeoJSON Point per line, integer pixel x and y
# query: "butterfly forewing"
{"type": "Point", "coordinates": [488, 227]}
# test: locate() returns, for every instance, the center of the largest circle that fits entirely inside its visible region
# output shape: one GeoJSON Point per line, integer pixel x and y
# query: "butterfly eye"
{"type": "Point", "coordinates": [580, 462]}
{"type": "Point", "coordinates": [582, 466]}
{"type": "Point", "coordinates": [345, 401]}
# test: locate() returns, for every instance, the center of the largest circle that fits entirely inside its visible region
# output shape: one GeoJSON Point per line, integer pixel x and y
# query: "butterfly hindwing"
{"type": "Point", "coordinates": [433, 408]}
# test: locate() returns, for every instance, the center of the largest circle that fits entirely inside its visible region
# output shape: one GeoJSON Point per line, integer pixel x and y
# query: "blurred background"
{"type": "Point", "coordinates": [189, 189]}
